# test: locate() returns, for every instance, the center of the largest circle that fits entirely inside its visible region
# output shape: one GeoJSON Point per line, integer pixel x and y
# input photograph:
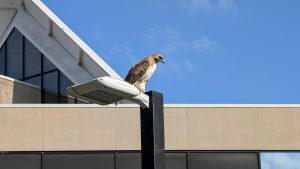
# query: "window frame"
{"type": "Point", "coordinates": [42, 73]}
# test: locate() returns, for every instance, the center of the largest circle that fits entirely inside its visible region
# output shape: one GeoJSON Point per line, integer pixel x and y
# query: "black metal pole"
{"type": "Point", "coordinates": [152, 133]}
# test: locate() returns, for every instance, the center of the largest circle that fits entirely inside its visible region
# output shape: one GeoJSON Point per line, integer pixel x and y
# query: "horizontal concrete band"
{"type": "Point", "coordinates": [94, 128]}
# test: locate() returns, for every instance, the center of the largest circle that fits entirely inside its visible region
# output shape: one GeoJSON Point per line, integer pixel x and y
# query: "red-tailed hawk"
{"type": "Point", "coordinates": [141, 72]}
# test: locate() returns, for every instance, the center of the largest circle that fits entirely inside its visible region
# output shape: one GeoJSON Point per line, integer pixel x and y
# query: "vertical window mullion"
{"type": "Point", "coordinates": [187, 160]}
{"type": "Point", "coordinates": [258, 158]}
{"type": "Point", "coordinates": [23, 57]}
{"type": "Point", "coordinates": [42, 80]}
{"type": "Point", "coordinates": [5, 59]}
{"type": "Point", "coordinates": [42, 156]}
{"type": "Point", "coordinates": [58, 87]}
{"type": "Point", "coordinates": [115, 160]}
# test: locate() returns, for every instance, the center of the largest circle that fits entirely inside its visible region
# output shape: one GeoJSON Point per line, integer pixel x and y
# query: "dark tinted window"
{"type": "Point", "coordinates": [78, 161]}
{"type": "Point", "coordinates": [34, 80]}
{"type": "Point", "coordinates": [129, 160]}
{"type": "Point", "coordinates": [175, 161]}
{"type": "Point", "coordinates": [223, 161]}
{"type": "Point", "coordinates": [51, 87]}
{"type": "Point", "coordinates": [51, 82]}
{"type": "Point", "coordinates": [15, 55]}
{"type": "Point", "coordinates": [2, 60]}
{"type": "Point", "coordinates": [48, 66]}
{"type": "Point", "coordinates": [21, 60]}
{"type": "Point", "coordinates": [32, 60]}
{"type": "Point", "coordinates": [64, 84]}
{"type": "Point", "coordinates": [20, 161]}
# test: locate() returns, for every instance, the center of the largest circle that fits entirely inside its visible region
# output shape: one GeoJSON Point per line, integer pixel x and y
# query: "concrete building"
{"type": "Point", "coordinates": [40, 57]}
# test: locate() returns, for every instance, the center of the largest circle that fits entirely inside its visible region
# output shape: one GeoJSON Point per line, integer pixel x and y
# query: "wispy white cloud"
{"type": "Point", "coordinates": [123, 51]}
{"type": "Point", "coordinates": [169, 41]}
{"type": "Point", "coordinates": [190, 66]}
{"type": "Point", "coordinates": [195, 5]}
{"type": "Point", "coordinates": [199, 5]}
{"type": "Point", "coordinates": [176, 49]}
{"type": "Point", "coordinates": [227, 5]}
{"type": "Point", "coordinates": [208, 5]}
{"type": "Point", "coordinates": [205, 45]}
{"type": "Point", "coordinates": [280, 160]}
{"type": "Point", "coordinates": [159, 3]}
{"type": "Point", "coordinates": [166, 40]}
{"type": "Point", "coordinates": [178, 69]}
{"type": "Point", "coordinates": [172, 69]}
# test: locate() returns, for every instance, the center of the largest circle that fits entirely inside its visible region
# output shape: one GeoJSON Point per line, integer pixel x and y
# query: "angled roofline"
{"type": "Point", "coordinates": [75, 38]}
{"type": "Point", "coordinates": [54, 39]}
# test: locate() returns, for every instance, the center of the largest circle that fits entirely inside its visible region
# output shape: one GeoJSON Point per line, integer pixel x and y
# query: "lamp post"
{"type": "Point", "coordinates": [152, 133]}
{"type": "Point", "coordinates": [107, 90]}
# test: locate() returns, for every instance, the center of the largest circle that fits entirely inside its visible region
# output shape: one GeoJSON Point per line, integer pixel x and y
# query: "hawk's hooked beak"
{"type": "Point", "coordinates": [163, 61]}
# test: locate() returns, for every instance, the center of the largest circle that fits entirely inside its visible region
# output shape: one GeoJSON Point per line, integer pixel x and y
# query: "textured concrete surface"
{"type": "Point", "coordinates": [12, 91]}
{"type": "Point", "coordinates": [75, 127]}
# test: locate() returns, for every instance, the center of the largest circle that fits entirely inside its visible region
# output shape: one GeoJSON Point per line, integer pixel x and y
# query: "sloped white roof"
{"type": "Point", "coordinates": [53, 38]}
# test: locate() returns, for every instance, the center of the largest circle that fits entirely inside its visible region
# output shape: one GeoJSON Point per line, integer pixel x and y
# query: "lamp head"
{"type": "Point", "coordinates": [107, 90]}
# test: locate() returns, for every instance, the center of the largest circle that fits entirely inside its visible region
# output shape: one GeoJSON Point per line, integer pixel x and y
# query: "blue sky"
{"type": "Point", "coordinates": [217, 51]}
{"type": "Point", "coordinates": [280, 161]}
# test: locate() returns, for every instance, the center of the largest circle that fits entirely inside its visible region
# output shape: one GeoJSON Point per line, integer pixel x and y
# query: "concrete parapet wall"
{"type": "Point", "coordinates": [13, 91]}
{"type": "Point", "coordinates": [79, 127]}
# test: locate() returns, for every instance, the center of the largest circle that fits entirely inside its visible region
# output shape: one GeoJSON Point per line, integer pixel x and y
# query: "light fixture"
{"type": "Point", "coordinates": [107, 90]}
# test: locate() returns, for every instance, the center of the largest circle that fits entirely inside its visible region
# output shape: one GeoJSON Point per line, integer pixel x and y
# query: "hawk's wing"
{"type": "Point", "coordinates": [137, 72]}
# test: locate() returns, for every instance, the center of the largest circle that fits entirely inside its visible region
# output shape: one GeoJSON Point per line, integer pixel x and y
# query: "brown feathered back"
{"type": "Point", "coordinates": [137, 71]}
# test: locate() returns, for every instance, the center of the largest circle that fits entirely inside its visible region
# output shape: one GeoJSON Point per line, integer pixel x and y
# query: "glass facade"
{"type": "Point", "coordinates": [14, 55]}
{"type": "Point", "coordinates": [21, 60]}
{"type": "Point", "coordinates": [128, 160]}
{"type": "Point", "coordinates": [2, 60]}
{"type": "Point", "coordinates": [20, 161]}
{"type": "Point", "coordinates": [78, 161]}
{"type": "Point", "coordinates": [223, 160]}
